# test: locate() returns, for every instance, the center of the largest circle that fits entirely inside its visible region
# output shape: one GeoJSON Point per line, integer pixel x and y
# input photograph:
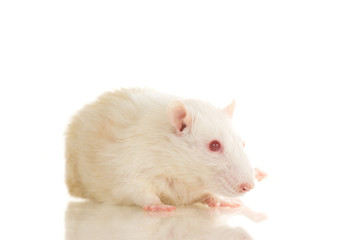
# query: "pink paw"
{"type": "Point", "coordinates": [230, 204]}
{"type": "Point", "coordinates": [260, 175]}
{"type": "Point", "coordinates": [159, 208]}
{"type": "Point", "coordinates": [213, 202]}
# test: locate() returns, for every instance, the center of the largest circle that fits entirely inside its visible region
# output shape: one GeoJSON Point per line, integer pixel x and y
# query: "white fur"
{"type": "Point", "coordinates": [125, 148]}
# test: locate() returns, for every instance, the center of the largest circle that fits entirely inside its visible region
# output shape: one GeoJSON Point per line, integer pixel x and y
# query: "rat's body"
{"type": "Point", "coordinates": [138, 146]}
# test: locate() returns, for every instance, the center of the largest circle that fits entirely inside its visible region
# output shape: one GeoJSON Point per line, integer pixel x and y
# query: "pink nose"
{"type": "Point", "coordinates": [245, 187]}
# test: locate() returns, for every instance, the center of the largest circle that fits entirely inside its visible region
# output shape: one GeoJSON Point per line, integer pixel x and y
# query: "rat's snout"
{"type": "Point", "coordinates": [244, 187]}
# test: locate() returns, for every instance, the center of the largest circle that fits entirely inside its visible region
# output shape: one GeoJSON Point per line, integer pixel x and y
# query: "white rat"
{"type": "Point", "coordinates": [138, 146]}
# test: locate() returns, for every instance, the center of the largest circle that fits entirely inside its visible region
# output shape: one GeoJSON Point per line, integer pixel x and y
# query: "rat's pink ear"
{"type": "Point", "coordinates": [178, 116]}
{"type": "Point", "coordinates": [230, 109]}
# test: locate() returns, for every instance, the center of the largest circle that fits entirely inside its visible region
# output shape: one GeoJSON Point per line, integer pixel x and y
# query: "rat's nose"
{"type": "Point", "coordinates": [244, 187]}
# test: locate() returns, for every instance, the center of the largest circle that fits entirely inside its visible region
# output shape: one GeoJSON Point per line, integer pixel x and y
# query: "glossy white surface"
{"type": "Point", "coordinates": [271, 214]}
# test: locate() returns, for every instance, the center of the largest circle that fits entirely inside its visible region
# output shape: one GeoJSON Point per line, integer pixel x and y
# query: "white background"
{"type": "Point", "coordinates": [292, 66]}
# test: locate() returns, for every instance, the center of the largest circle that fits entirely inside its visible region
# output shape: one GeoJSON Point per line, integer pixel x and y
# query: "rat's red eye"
{"type": "Point", "coordinates": [215, 146]}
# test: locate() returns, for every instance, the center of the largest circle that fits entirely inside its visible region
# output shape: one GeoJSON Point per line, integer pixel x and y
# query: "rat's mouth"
{"type": "Point", "coordinates": [230, 187]}
{"type": "Point", "coordinates": [228, 184]}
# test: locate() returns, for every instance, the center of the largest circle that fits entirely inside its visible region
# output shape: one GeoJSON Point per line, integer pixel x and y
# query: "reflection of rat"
{"type": "Point", "coordinates": [138, 146]}
{"type": "Point", "coordinates": [87, 220]}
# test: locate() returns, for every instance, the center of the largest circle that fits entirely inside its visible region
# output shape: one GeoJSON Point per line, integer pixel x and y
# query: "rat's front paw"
{"type": "Point", "coordinates": [260, 175]}
{"type": "Point", "coordinates": [214, 202]}
{"type": "Point", "coordinates": [159, 208]}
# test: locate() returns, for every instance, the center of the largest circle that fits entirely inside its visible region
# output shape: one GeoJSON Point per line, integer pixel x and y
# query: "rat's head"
{"type": "Point", "coordinates": [214, 154]}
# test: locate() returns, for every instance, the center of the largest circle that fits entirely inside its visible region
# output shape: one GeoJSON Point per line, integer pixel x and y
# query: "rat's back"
{"type": "Point", "coordinates": [104, 132]}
